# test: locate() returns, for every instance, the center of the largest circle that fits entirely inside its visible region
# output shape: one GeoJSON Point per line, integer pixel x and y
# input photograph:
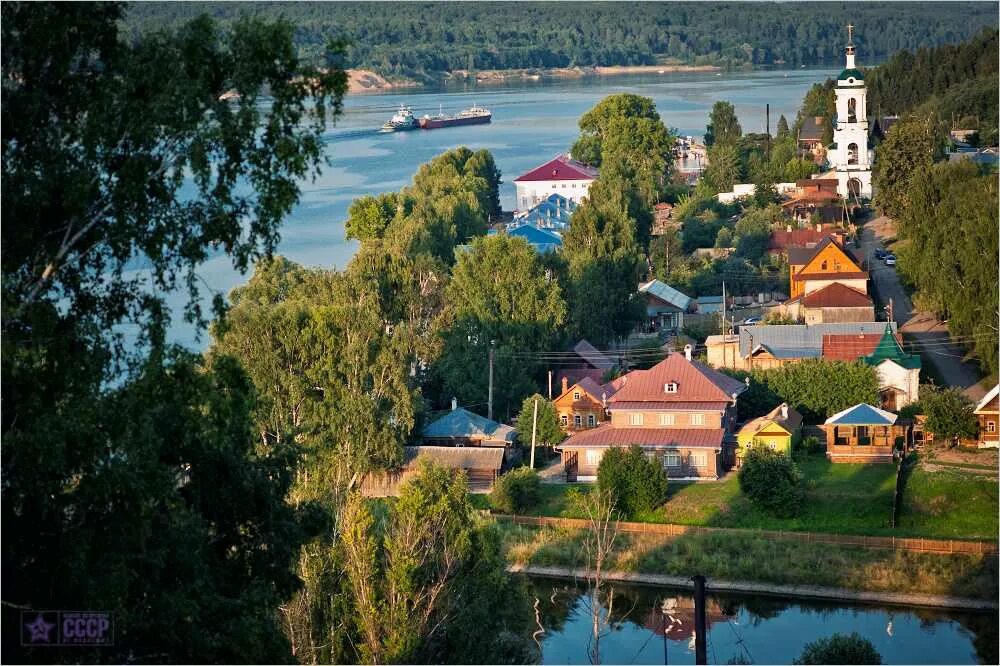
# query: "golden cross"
{"type": "Point", "coordinates": [850, 32]}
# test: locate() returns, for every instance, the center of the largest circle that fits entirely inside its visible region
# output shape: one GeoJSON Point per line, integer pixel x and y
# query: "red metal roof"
{"type": "Point", "coordinates": [836, 295]}
{"type": "Point", "coordinates": [607, 435]}
{"type": "Point", "coordinates": [849, 347]}
{"type": "Point", "coordinates": [695, 381]}
{"type": "Point", "coordinates": [784, 239]}
{"type": "Point", "coordinates": [559, 168]}
{"type": "Point", "coordinates": [704, 405]}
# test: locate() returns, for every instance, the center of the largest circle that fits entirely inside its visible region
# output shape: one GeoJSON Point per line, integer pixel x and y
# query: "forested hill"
{"type": "Point", "coordinates": [401, 38]}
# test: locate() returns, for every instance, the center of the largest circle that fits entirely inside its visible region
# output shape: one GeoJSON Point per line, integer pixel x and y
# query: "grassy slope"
{"type": "Point", "coordinates": [742, 558]}
{"type": "Point", "coordinates": [846, 499]}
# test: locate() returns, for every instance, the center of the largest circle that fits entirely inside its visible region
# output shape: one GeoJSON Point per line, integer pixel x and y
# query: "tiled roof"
{"type": "Point", "coordinates": [783, 239]}
{"type": "Point", "coordinates": [696, 382]}
{"type": "Point", "coordinates": [666, 293]}
{"type": "Point", "coordinates": [587, 352]}
{"type": "Point", "coordinates": [862, 414]}
{"type": "Point", "coordinates": [799, 256]}
{"type": "Point", "coordinates": [849, 347]}
{"type": "Point", "coordinates": [607, 435]}
{"type": "Point", "coordinates": [559, 168]}
{"type": "Point", "coordinates": [461, 423]}
{"type": "Point", "coordinates": [793, 421]}
{"type": "Point", "coordinates": [836, 295]}
{"type": "Point", "coordinates": [800, 340]}
{"type": "Point", "coordinates": [811, 130]}
{"type": "Point", "coordinates": [672, 406]}
{"type": "Point", "coordinates": [842, 275]}
{"type": "Point", "coordinates": [457, 457]}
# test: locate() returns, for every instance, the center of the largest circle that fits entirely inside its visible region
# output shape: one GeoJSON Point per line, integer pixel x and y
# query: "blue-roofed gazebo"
{"type": "Point", "coordinates": [862, 433]}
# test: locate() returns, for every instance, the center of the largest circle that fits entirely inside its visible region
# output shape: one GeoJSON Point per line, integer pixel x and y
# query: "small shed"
{"type": "Point", "coordinates": [480, 465]}
{"type": "Point", "coordinates": [665, 306]}
{"type": "Point", "coordinates": [862, 433]}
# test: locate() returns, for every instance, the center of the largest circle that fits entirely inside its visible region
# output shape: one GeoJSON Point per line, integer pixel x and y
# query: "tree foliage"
{"type": "Point", "coordinates": [516, 491]}
{"type": "Point", "coordinates": [401, 40]}
{"type": "Point", "coordinates": [910, 148]}
{"type": "Point", "coordinates": [547, 430]}
{"type": "Point", "coordinates": [634, 482]}
{"type": "Point", "coordinates": [948, 251]}
{"type": "Point", "coordinates": [840, 649]}
{"type": "Point", "coordinates": [817, 388]}
{"type": "Point", "coordinates": [426, 580]}
{"type": "Point", "coordinates": [949, 413]}
{"type": "Point", "coordinates": [158, 500]}
{"type": "Point", "coordinates": [723, 126]}
{"type": "Point", "coordinates": [498, 292]}
{"type": "Point", "coordinates": [771, 480]}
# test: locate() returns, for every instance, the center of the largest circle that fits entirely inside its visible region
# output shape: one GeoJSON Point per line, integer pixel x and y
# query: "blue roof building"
{"type": "Point", "coordinates": [460, 427]}
{"type": "Point", "coordinates": [543, 240]}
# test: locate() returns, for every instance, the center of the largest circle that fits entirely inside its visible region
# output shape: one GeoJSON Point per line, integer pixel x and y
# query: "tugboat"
{"type": "Point", "coordinates": [401, 121]}
{"type": "Point", "coordinates": [473, 116]}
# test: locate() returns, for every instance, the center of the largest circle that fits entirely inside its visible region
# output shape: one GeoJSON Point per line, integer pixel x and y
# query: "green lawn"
{"type": "Point", "coordinates": [950, 503]}
{"type": "Point", "coordinates": [841, 498]}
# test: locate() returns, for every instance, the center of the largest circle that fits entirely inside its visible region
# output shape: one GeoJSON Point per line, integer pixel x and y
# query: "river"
{"type": "Point", "coordinates": [532, 122]}
{"type": "Point", "coordinates": [761, 630]}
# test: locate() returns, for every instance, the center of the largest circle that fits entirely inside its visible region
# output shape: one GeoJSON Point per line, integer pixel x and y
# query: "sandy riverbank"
{"type": "Point", "coordinates": [364, 80]}
{"type": "Point", "coordinates": [487, 75]}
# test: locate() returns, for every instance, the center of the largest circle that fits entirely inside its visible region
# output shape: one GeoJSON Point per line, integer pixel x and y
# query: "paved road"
{"type": "Point", "coordinates": [923, 328]}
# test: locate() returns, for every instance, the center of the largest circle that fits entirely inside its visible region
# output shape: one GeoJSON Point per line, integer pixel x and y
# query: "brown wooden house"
{"type": "Point", "coordinates": [862, 433]}
{"type": "Point", "coordinates": [583, 405]}
{"type": "Point", "coordinates": [988, 413]}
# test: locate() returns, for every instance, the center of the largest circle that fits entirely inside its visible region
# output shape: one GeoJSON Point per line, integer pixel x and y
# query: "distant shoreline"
{"type": "Point", "coordinates": [363, 81]}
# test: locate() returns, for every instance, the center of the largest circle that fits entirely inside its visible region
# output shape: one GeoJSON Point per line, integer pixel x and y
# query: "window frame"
{"type": "Point", "coordinates": [697, 418]}
{"type": "Point", "coordinates": [667, 419]}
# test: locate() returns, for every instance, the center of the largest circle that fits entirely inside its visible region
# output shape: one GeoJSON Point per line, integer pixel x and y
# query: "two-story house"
{"type": "Point", "coordinates": [680, 411]}
{"type": "Point", "coordinates": [828, 263]}
{"type": "Point", "coordinates": [582, 405]}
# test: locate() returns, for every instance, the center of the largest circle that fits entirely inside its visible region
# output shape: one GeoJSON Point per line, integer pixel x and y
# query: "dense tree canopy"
{"type": "Point", "coordinates": [723, 127]}
{"type": "Point", "coordinates": [137, 483]}
{"type": "Point", "coordinates": [424, 38]}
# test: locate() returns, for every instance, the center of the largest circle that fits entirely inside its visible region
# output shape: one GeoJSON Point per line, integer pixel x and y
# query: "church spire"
{"type": "Point", "coordinates": [850, 46]}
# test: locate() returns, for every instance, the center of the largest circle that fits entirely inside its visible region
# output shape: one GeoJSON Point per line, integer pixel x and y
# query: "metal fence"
{"type": "Point", "coordinates": [941, 546]}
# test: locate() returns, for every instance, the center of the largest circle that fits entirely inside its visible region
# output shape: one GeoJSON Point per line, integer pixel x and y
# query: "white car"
{"type": "Point", "coordinates": [890, 260]}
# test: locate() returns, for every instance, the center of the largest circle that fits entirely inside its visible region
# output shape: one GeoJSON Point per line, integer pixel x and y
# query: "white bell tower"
{"type": "Point", "coordinates": [850, 156]}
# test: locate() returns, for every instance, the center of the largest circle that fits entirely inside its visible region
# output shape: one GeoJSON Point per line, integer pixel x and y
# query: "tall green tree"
{"type": "Point", "coordinates": [499, 294]}
{"type": "Point", "coordinates": [910, 148]}
{"type": "Point", "coordinates": [724, 167]}
{"type": "Point", "coordinates": [159, 500]}
{"type": "Point", "coordinates": [608, 121]}
{"type": "Point", "coordinates": [427, 580]}
{"type": "Point", "coordinates": [547, 429]}
{"type": "Point", "coordinates": [782, 131]}
{"type": "Point", "coordinates": [723, 126]}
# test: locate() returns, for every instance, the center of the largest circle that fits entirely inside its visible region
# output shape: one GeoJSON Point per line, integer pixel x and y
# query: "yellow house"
{"type": "Point", "coordinates": [780, 430]}
{"type": "Point", "coordinates": [812, 269]}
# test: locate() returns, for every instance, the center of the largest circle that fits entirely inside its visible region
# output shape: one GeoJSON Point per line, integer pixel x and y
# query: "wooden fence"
{"type": "Point", "coordinates": [941, 546]}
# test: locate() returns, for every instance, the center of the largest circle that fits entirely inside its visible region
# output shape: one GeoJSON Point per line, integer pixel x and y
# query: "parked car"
{"type": "Point", "coordinates": [750, 321]}
{"type": "Point", "coordinates": [890, 260]}
{"type": "Point", "coordinates": [880, 253]}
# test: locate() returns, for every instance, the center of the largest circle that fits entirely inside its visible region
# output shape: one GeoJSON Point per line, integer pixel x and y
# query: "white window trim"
{"type": "Point", "coordinates": [591, 420]}
{"type": "Point", "coordinates": [667, 420]}
{"type": "Point", "coordinates": [675, 457]}
{"type": "Point", "coordinates": [635, 418]}
{"type": "Point", "coordinates": [670, 387]}
{"type": "Point", "coordinates": [576, 395]}
{"type": "Point", "coordinates": [563, 419]}
{"type": "Point", "coordinates": [698, 419]}
{"type": "Point", "coordinates": [693, 459]}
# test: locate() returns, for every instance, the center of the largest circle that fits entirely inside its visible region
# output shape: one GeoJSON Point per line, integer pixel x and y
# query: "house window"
{"type": "Point", "coordinates": [666, 419]}
{"type": "Point", "coordinates": [698, 460]}
{"type": "Point", "coordinates": [991, 426]}
{"type": "Point", "coordinates": [576, 395]}
{"type": "Point", "coordinates": [670, 387]}
{"type": "Point", "coordinates": [773, 445]}
{"type": "Point", "coordinates": [635, 418]}
{"type": "Point", "coordinates": [564, 419]}
{"type": "Point", "coordinates": [698, 419]}
{"type": "Point", "coordinates": [594, 457]}
{"type": "Point", "coordinates": [576, 420]}
{"type": "Point", "coordinates": [591, 420]}
{"type": "Point", "coordinates": [823, 266]}
{"type": "Point", "coordinates": [671, 460]}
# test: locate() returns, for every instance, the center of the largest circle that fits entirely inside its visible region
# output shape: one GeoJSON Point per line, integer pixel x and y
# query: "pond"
{"type": "Point", "coordinates": [749, 628]}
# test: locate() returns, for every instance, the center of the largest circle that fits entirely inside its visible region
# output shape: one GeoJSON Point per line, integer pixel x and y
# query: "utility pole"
{"type": "Point", "coordinates": [534, 428]}
{"type": "Point", "coordinates": [489, 399]}
{"type": "Point", "coordinates": [725, 337]}
{"type": "Point", "coordinates": [890, 310]}
{"type": "Point", "coordinates": [700, 653]}
{"type": "Point", "coordinates": [550, 384]}
{"type": "Point", "coordinates": [767, 122]}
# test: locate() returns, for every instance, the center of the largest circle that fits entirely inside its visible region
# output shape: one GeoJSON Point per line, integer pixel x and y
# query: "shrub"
{"type": "Point", "coordinates": [840, 649]}
{"type": "Point", "coordinates": [636, 483]}
{"type": "Point", "coordinates": [771, 480]}
{"type": "Point", "coordinates": [812, 444]}
{"type": "Point", "coordinates": [516, 491]}
{"type": "Point", "coordinates": [949, 413]}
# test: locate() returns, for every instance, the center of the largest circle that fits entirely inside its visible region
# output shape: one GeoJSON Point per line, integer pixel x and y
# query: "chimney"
{"type": "Point", "coordinates": [819, 227]}
{"type": "Point", "coordinates": [687, 352]}
{"type": "Point", "coordinates": [788, 228]}
{"type": "Point", "coordinates": [565, 384]}
{"type": "Point", "coordinates": [454, 404]}
{"type": "Point", "coordinates": [604, 399]}
{"type": "Point", "coordinates": [784, 411]}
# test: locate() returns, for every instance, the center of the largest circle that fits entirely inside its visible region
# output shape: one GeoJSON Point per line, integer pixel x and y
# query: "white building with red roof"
{"type": "Point", "coordinates": [681, 412]}
{"type": "Point", "coordinates": [561, 175]}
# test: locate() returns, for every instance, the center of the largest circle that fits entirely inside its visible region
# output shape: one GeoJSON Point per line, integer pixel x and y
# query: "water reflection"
{"type": "Point", "coordinates": [656, 625]}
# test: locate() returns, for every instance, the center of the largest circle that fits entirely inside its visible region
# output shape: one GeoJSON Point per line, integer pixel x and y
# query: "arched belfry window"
{"type": "Point", "coordinates": [852, 110]}
{"type": "Point", "coordinates": [852, 153]}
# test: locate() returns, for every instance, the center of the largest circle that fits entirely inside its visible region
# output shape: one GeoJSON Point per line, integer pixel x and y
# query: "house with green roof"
{"type": "Point", "coordinates": [898, 372]}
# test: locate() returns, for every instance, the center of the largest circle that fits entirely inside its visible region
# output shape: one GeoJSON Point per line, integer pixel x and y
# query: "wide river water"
{"type": "Point", "coordinates": [532, 122]}
{"type": "Point", "coordinates": [756, 629]}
